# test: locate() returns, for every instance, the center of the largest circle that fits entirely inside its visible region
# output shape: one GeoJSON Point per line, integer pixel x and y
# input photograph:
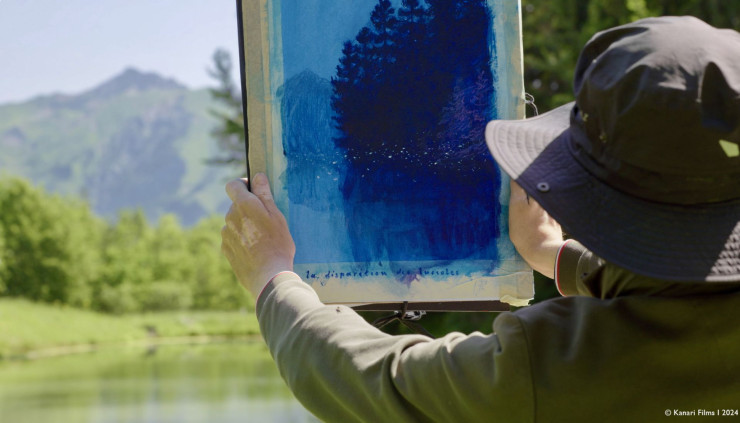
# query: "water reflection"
{"type": "Point", "coordinates": [198, 383]}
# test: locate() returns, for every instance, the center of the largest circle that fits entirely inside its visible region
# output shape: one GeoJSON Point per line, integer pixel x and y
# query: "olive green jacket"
{"type": "Point", "coordinates": [627, 349]}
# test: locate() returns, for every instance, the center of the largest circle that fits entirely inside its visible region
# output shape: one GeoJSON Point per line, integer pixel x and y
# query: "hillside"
{"type": "Point", "coordinates": [137, 140]}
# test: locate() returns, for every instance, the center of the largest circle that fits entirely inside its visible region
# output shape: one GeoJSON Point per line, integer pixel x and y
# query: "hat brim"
{"type": "Point", "coordinates": [671, 242]}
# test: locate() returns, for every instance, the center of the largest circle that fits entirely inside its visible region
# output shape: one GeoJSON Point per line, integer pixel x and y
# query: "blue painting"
{"type": "Point", "coordinates": [373, 138]}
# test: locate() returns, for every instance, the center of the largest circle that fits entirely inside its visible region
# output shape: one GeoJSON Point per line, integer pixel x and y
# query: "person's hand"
{"type": "Point", "coordinates": [255, 239]}
{"type": "Point", "coordinates": [536, 236]}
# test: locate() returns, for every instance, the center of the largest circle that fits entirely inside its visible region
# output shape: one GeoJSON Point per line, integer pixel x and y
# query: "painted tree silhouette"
{"type": "Point", "coordinates": [411, 97]}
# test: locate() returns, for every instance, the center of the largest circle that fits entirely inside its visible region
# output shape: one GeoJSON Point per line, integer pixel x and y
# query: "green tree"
{"type": "Point", "coordinates": [124, 250]}
{"type": "Point", "coordinates": [166, 267]}
{"type": "Point", "coordinates": [167, 250]}
{"type": "Point", "coordinates": [554, 31]}
{"type": "Point", "coordinates": [2, 263]}
{"type": "Point", "coordinates": [229, 132]}
{"type": "Point", "coordinates": [49, 242]}
{"type": "Point", "coordinates": [214, 285]}
{"type": "Point", "coordinates": [126, 263]}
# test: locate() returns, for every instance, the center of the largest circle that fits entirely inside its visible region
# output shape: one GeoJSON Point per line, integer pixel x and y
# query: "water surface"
{"type": "Point", "coordinates": [195, 383]}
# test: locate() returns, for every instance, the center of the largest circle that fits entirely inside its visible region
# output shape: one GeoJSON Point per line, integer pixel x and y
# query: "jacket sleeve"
{"type": "Point", "coordinates": [342, 369]}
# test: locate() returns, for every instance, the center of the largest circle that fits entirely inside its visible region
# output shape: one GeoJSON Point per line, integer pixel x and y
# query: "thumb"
{"type": "Point", "coordinates": [261, 188]}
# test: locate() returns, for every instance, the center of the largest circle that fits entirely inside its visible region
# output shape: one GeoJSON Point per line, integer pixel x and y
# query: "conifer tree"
{"type": "Point", "coordinates": [229, 131]}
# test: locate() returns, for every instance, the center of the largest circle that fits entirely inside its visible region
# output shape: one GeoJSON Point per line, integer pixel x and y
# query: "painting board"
{"type": "Point", "coordinates": [368, 118]}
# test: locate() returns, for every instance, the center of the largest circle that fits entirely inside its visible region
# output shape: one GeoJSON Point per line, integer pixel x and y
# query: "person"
{"type": "Point", "coordinates": [643, 170]}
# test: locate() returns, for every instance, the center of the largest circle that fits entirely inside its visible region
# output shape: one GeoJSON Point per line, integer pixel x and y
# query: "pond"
{"type": "Point", "coordinates": [233, 382]}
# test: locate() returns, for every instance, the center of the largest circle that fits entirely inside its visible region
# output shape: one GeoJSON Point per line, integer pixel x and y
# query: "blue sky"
{"type": "Point", "coordinates": [68, 46]}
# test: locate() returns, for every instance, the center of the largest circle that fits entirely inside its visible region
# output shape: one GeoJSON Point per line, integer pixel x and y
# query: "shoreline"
{"type": "Point", "coordinates": [30, 331]}
{"type": "Point", "coordinates": [154, 342]}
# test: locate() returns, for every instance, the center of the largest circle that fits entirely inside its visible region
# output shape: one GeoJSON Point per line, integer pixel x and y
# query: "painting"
{"type": "Point", "coordinates": [368, 118]}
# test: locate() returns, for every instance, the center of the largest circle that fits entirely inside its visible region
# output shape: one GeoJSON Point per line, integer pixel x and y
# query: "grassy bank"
{"type": "Point", "coordinates": [30, 330]}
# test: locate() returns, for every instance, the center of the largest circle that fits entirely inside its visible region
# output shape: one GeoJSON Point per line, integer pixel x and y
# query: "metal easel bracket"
{"type": "Point", "coordinates": [405, 317]}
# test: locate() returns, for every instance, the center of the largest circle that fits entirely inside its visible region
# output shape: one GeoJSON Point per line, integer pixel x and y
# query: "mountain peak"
{"type": "Point", "coordinates": [132, 79]}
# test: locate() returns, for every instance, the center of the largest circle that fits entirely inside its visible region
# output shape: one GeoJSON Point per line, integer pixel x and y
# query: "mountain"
{"type": "Point", "coordinates": [137, 140]}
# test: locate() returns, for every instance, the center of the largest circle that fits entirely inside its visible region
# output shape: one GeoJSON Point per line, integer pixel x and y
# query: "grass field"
{"type": "Point", "coordinates": [30, 330]}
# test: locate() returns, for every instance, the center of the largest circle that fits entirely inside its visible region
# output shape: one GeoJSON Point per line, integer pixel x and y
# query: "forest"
{"type": "Point", "coordinates": [54, 250]}
{"type": "Point", "coordinates": [555, 30]}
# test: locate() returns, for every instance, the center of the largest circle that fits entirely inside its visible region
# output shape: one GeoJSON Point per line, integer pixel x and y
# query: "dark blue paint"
{"type": "Point", "coordinates": [393, 146]}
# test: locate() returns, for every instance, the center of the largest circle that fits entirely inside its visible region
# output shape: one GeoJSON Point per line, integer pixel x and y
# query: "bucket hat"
{"type": "Point", "coordinates": [644, 167]}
